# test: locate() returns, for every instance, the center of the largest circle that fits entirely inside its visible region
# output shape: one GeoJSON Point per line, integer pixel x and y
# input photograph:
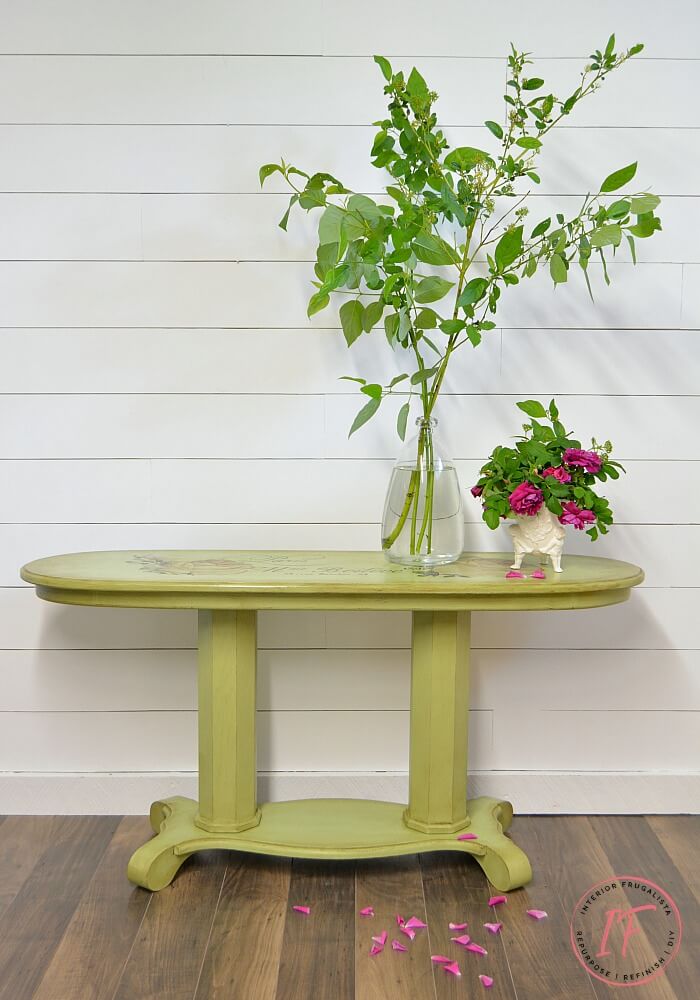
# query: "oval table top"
{"type": "Point", "coordinates": [264, 579]}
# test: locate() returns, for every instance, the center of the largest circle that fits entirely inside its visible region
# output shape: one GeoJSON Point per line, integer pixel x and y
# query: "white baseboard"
{"type": "Point", "coordinates": [119, 793]}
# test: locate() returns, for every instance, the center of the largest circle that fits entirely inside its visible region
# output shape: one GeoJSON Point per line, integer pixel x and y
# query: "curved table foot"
{"type": "Point", "coordinates": [505, 865]}
{"type": "Point", "coordinates": [155, 865]}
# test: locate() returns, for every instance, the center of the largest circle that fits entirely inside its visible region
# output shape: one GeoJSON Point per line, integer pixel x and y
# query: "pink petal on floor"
{"type": "Point", "coordinates": [400, 920]}
{"type": "Point", "coordinates": [495, 900]}
{"type": "Point", "coordinates": [537, 914]}
{"type": "Point", "coordinates": [538, 575]}
{"type": "Point", "coordinates": [476, 948]}
{"type": "Point", "coordinates": [463, 939]}
{"type": "Point", "coordinates": [306, 910]}
{"type": "Point", "coordinates": [494, 928]}
{"type": "Point", "coordinates": [453, 968]}
{"type": "Point", "coordinates": [367, 912]}
{"type": "Point", "coordinates": [380, 939]}
{"type": "Point", "coordinates": [408, 931]}
{"type": "Point", "coordinates": [376, 949]}
{"type": "Point", "coordinates": [397, 946]}
{"type": "Point", "coordinates": [457, 927]}
{"type": "Point", "coordinates": [514, 574]}
{"type": "Point", "coordinates": [440, 959]}
{"type": "Point", "coordinates": [486, 981]}
{"type": "Point", "coordinates": [414, 922]}
{"type": "Point", "coordinates": [468, 836]}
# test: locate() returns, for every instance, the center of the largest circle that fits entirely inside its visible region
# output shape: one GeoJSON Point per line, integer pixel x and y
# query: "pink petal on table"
{"type": "Point", "coordinates": [538, 575]}
{"type": "Point", "coordinates": [397, 946]}
{"type": "Point", "coordinates": [494, 928]}
{"type": "Point", "coordinates": [514, 574]}
{"type": "Point", "coordinates": [306, 910]}
{"type": "Point", "coordinates": [453, 968]}
{"type": "Point", "coordinates": [408, 931]}
{"type": "Point", "coordinates": [457, 927]}
{"type": "Point", "coordinates": [376, 949]}
{"type": "Point", "coordinates": [495, 900]}
{"type": "Point", "coordinates": [367, 912]}
{"type": "Point", "coordinates": [537, 914]}
{"type": "Point", "coordinates": [440, 959]}
{"type": "Point", "coordinates": [414, 922]}
{"type": "Point", "coordinates": [463, 939]}
{"type": "Point", "coordinates": [468, 836]}
{"type": "Point", "coordinates": [476, 948]}
{"type": "Point", "coordinates": [380, 939]}
{"type": "Point", "coordinates": [486, 981]}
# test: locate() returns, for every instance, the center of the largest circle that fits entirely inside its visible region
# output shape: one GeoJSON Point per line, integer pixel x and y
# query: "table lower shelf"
{"type": "Point", "coordinates": [332, 829]}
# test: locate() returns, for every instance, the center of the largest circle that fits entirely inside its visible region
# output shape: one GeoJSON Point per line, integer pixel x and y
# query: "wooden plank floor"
{"type": "Point", "coordinates": [73, 928]}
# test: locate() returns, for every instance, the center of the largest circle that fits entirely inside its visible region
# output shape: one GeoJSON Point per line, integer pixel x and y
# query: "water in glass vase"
{"type": "Point", "coordinates": [423, 523]}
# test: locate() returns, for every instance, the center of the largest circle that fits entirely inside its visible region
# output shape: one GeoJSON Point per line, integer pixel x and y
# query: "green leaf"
{"type": "Point", "coordinates": [426, 319]}
{"type": "Point", "coordinates": [528, 142]}
{"type": "Point", "coordinates": [534, 83]}
{"type": "Point", "coordinates": [492, 518]}
{"type": "Point", "coordinates": [317, 302]}
{"type": "Point", "coordinates": [396, 379]}
{"type": "Point", "coordinates": [267, 169]}
{"type": "Point", "coordinates": [385, 66]}
{"type": "Point", "coordinates": [402, 420]}
{"type": "Point", "coordinates": [285, 218]}
{"type": "Point", "coordinates": [557, 269]}
{"type": "Point", "coordinates": [619, 178]}
{"type": "Point", "coordinates": [495, 128]}
{"type": "Point", "coordinates": [373, 389]}
{"type": "Point", "coordinates": [391, 327]}
{"type": "Point", "coordinates": [636, 49]}
{"type": "Point", "coordinates": [365, 207]}
{"type": "Point", "coordinates": [416, 85]}
{"type": "Point", "coordinates": [643, 203]}
{"type": "Point", "coordinates": [330, 225]}
{"type": "Point", "coordinates": [554, 505]}
{"type": "Point", "coordinates": [532, 407]}
{"type": "Point", "coordinates": [367, 411]}
{"type": "Point", "coordinates": [553, 410]}
{"type": "Point", "coordinates": [372, 315]}
{"type": "Point", "coordinates": [609, 235]}
{"type": "Point", "coordinates": [351, 316]}
{"type": "Point", "coordinates": [533, 176]}
{"type": "Point", "coordinates": [509, 247]}
{"type": "Point", "coordinates": [618, 209]}
{"type": "Point", "coordinates": [474, 335]}
{"type": "Point", "coordinates": [541, 228]}
{"type": "Point", "coordinates": [465, 158]}
{"type": "Point", "coordinates": [432, 250]}
{"type": "Point", "coordinates": [633, 250]}
{"type": "Point", "coordinates": [472, 292]}
{"type": "Point", "coordinates": [647, 224]}
{"type": "Point", "coordinates": [452, 326]}
{"type": "Point", "coordinates": [432, 288]}
{"type": "Point", "coordinates": [422, 376]}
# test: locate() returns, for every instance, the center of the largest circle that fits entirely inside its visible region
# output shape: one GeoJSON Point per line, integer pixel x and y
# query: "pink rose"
{"type": "Point", "coordinates": [526, 499]}
{"type": "Point", "coordinates": [476, 491]}
{"type": "Point", "coordinates": [559, 473]}
{"type": "Point", "coordinates": [590, 461]}
{"type": "Point", "coordinates": [573, 514]}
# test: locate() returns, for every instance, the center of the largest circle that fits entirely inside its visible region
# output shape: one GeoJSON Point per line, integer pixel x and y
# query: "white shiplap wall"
{"type": "Point", "coordinates": [160, 386]}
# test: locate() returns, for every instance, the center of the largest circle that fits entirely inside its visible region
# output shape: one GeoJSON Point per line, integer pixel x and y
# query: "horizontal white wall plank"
{"type": "Point", "coordinates": [663, 618]}
{"type": "Point", "coordinates": [136, 741]}
{"type": "Point", "coordinates": [518, 362]}
{"type": "Point", "coordinates": [220, 158]}
{"type": "Point", "coordinates": [161, 26]}
{"type": "Point", "coordinates": [358, 679]}
{"type": "Point", "coordinates": [205, 294]}
{"type": "Point", "coordinates": [247, 491]}
{"type": "Point", "coordinates": [670, 552]}
{"type": "Point", "coordinates": [237, 227]}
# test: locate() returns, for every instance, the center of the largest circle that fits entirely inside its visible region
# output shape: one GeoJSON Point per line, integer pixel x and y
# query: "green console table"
{"type": "Point", "coordinates": [228, 588]}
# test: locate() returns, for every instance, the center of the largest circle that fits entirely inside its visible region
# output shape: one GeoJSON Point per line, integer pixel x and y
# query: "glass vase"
{"type": "Point", "coordinates": [423, 523]}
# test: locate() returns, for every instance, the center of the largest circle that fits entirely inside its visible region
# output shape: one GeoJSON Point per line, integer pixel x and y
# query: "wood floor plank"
{"type": "Point", "coordinates": [391, 886]}
{"type": "Point", "coordinates": [34, 923]}
{"type": "Point", "coordinates": [171, 944]}
{"type": "Point", "coordinates": [680, 838]}
{"type": "Point", "coordinates": [318, 951]}
{"type": "Point", "coordinates": [454, 892]}
{"type": "Point", "coordinates": [90, 958]}
{"type": "Point", "coordinates": [245, 947]}
{"type": "Point", "coordinates": [23, 839]}
{"type": "Point", "coordinates": [634, 849]}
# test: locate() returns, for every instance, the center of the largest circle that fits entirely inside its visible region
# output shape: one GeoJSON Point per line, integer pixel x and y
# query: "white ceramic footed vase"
{"type": "Point", "coordinates": [541, 533]}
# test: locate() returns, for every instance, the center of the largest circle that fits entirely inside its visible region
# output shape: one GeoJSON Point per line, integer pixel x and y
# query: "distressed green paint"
{"type": "Point", "coordinates": [228, 588]}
